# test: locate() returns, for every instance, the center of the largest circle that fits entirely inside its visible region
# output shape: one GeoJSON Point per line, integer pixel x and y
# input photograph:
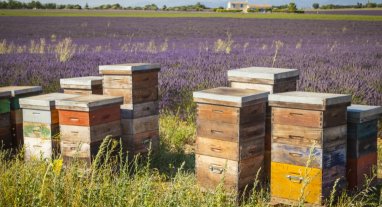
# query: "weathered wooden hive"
{"type": "Point", "coordinates": [40, 125]}
{"type": "Point", "coordinates": [273, 80]}
{"type": "Point", "coordinates": [5, 119]}
{"type": "Point", "coordinates": [308, 145]}
{"type": "Point", "coordinates": [18, 92]}
{"type": "Point", "coordinates": [82, 85]}
{"type": "Point", "coordinates": [362, 143]}
{"type": "Point", "coordinates": [138, 84]}
{"type": "Point", "coordinates": [230, 136]}
{"type": "Point", "coordinates": [85, 121]}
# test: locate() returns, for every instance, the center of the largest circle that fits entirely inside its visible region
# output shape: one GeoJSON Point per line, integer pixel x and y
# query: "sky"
{"type": "Point", "coordinates": [209, 3]}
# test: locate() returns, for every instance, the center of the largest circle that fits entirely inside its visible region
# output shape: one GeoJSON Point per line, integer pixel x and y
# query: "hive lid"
{"type": "Point", "coordinates": [308, 100]}
{"type": "Point", "coordinates": [5, 94]}
{"type": "Point", "coordinates": [88, 102]}
{"type": "Point", "coordinates": [126, 69]}
{"type": "Point", "coordinates": [86, 81]}
{"type": "Point", "coordinates": [262, 74]}
{"type": "Point", "coordinates": [230, 96]}
{"type": "Point", "coordinates": [44, 102]}
{"type": "Point", "coordinates": [362, 113]}
{"type": "Point", "coordinates": [21, 90]}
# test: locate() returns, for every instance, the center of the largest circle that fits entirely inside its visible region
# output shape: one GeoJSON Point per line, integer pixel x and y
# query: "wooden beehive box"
{"type": "Point", "coordinates": [308, 134]}
{"type": "Point", "coordinates": [136, 82]}
{"type": "Point", "coordinates": [362, 143]}
{"type": "Point", "coordinates": [40, 125]}
{"type": "Point", "coordinates": [5, 119]}
{"type": "Point", "coordinates": [230, 130]}
{"type": "Point", "coordinates": [85, 122]}
{"type": "Point", "coordinates": [18, 92]}
{"type": "Point", "coordinates": [82, 85]}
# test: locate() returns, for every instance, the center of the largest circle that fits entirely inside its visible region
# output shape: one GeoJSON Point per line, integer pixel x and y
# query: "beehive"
{"type": "Point", "coordinates": [85, 121]}
{"type": "Point", "coordinates": [40, 125]}
{"type": "Point", "coordinates": [273, 80]}
{"type": "Point", "coordinates": [362, 143]}
{"type": "Point", "coordinates": [308, 145]}
{"type": "Point", "coordinates": [230, 136]}
{"type": "Point", "coordinates": [138, 84]}
{"type": "Point", "coordinates": [5, 120]}
{"type": "Point", "coordinates": [18, 92]}
{"type": "Point", "coordinates": [82, 85]}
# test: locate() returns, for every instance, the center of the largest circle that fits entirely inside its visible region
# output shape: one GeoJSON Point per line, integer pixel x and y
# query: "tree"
{"type": "Point", "coordinates": [316, 5]}
{"type": "Point", "coordinates": [292, 7]}
{"type": "Point", "coordinates": [164, 8]}
{"type": "Point", "coordinates": [86, 5]}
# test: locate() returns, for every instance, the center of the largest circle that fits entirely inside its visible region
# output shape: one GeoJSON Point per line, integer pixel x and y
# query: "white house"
{"type": "Point", "coordinates": [244, 6]}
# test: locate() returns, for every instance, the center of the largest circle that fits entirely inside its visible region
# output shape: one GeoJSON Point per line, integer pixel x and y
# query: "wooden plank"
{"type": "Point", "coordinates": [262, 74]}
{"type": "Point", "coordinates": [358, 168]}
{"type": "Point", "coordinates": [142, 95]}
{"type": "Point", "coordinates": [41, 116]}
{"type": "Point", "coordinates": [334, 116]}
{"type": "Point", "coordinates": [362, 130]}
{"type": "Point", "coordinates": [5, 106]}
{"type": "Point", "coordinates": [127, 69]}
{"type": "Point", "coordinates": [252, 113]}
{"type": "Point", "coordinates": [82, 91]}
{"type": "Point", "coordinates": [143, 142]}
{"type": "Point", "coordinates": [288, 180]}
{"type": "Point", "coordinates": [140, 125]}
{"type": "Point", "coordinates": [361, 147]}
{"type": "Point", "coordinates": [117, 82]}
{"type": "Point", "coordinates": [16, 116]}
{"type": "Point", "coordinates": [306, 136]}
{"type": "Point", "coordinates": [268, 133]}
{"type": "Point", "coordinates": [267, 165]}
{"type": "Point", "coordinates": [90, 134]}
{"type": "Point", "coordinates": [92, 118]}
{"type": "Point", "coordinates": [6, 138]}
{"type": "Point", "coordinates": [131, 111]}
{"type": "Point", "coordinates": [36, 148]}
{"type": "Point", "coordinates": [17, 134]}
{"type": "Point", "coordinates": [79, 151]}
{"type": "Point", "coordinates": [222, 114]}
{"type": "Point", "coordinates": [229, 150]}
{"type": "Point", "coordinates": [40, 130]}
{"type": "Point", "coordinates": [127, 94]}
{"type": "Point", "coordinates": [5, 120]}
{"type": "Point", "coordinates": [297, 117]}
{"type": "Point", "coordinates": [145, 80]}
{"type": "Point", "coordinates": [88, 103]}
{"type": "Point", "coordinates": [277, 88]}
{"type": "Point", "coordinates": [85, 82]}
{"type": "Point", "coordinates": [234, 175]}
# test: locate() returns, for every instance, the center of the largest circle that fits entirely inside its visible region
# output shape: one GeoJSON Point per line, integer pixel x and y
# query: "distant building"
{"type": "Point", "coordinates": [244, 6]}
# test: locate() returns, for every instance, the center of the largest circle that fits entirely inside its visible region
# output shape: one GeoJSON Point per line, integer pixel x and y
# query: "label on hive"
{"type": "Point", "coordinates": [16, 116]}
{"type": "Point", "coordinates": [142, 142]}
{"type": "Point", "coordinates": [315, 157]}
{"type": "Point", "coordinates": [302, 183]}
{"type": "Point", "coordinates": [360, 147]}
{"type": "Point", "coordinates": [277, 88]}
{"type": "Point", "coordinates": [140, 125]}
{"type": "Point", "coordinates": [40, 116]}
{"type": "Point", "coordinates": [5, 120]}
{"type": "Point", "coordinates": [92, 118]}
{"type": "Point", "coordinates": [309, 118]}
{"type": "Point", "coordinates": [39, 130]}
{"type": "Point", "coordinates": [90, 134]}
{"type": "Point", "coordinates": [5, 106]}
{"type": "Point", "coordinates": [362, 130]}
{"type": "Point", "coordinates": [36, 148]}
{"type": "Point", "coordinates": [131, 111]}
{"type": "Point", "coordinates": [80, 151]}
{"type": "Point", "coordinates": [306, 136]}
{"type": "Point", "coordinates": [234, 175]}
{"type": "Point", "coordinates": [231, 132]}
{"type": "Point", "coordinates": [229, 150]}
{"type": "Point", "coordinates": [358, 168]}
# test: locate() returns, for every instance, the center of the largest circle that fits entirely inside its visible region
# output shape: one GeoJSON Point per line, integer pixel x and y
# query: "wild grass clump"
{"type": "Point", "coordinates": [65, 49]}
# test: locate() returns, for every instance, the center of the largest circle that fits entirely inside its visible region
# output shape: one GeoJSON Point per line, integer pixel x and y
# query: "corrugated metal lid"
{"type": "Point", "coordinates": [264, 73]}
{"type": "Point", "coordinates": [86, 81]}
{"type": "Point", "coordinates": [46, 100]}
{"type": "Point", "coordinates": [230, 95]}
{"type": "Point", "coordinates": [88, 102]}
{"type": "Point", "coordinates": [21, 90]}
{"type": "Point", "coordinates": [126, 69]}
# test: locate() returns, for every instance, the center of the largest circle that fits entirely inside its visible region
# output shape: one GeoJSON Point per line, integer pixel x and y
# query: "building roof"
{"type": "Point", "coordinates": [260, 6]}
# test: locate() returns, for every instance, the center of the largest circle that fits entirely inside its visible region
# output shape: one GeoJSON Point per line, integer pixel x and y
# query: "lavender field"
{"type": "Point", "coordinates": [333, 56]}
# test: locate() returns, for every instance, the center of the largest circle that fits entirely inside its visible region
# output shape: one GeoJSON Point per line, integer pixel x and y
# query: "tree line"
{"type": "Point", "coordinates": [356, 6]}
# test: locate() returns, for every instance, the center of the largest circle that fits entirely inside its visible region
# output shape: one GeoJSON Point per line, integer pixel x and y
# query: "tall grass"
{"type": "Point", "coordinates": [164, 178]}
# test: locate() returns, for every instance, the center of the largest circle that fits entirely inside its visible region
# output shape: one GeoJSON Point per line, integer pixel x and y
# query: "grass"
{"type": "Point", "coordinates": [146, 14]}
{"type": "Point", "coordinates": [165, 178]}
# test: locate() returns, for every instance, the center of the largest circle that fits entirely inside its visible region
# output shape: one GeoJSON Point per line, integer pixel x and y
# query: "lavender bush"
{"type": "Point", "coordinates": [333, 56]}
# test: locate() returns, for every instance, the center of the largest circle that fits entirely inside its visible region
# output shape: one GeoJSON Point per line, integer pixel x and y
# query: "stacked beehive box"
{"type": "Point", "coordinates": [273, 80]}
{"type": "Point", "coordinates": [82, 85]}
{"type": "Point", "coordinates": [85, 121]}
{"type": "Point", "coordinates": [18, 92]}
{"type": "Point", "coordinates": [138, 84]}
{"type": "Point", "coordinates": [230, 136]}
{"type": "Point", "coordinates": [362, 143]}
{"type": "Point", "coordinates": [5, 120]}
{"type": "Point", "coordinates": [308, 145]}
{"type": "Point", "coordinates": [40, 125]}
